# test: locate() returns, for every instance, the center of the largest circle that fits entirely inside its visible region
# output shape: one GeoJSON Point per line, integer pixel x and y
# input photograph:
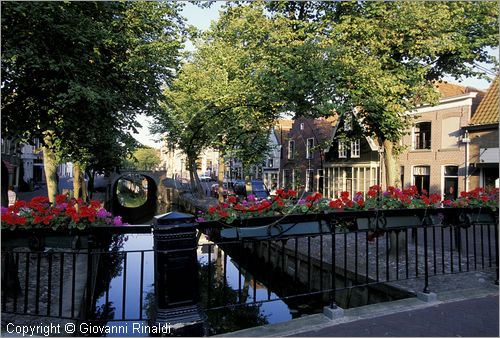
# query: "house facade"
{"type": "Point", "coordinates": [436, 159]}
{"type": "Point", "coordinates": [482, 133]}
{"type": "Point", "coordinates": [174, 162]}
{"type": "Point", "coordinates": [352, 161]}
{"type": "Point", "coordinates": [303, 162]}
{"type": "Point", "coordinates": [273, 161]}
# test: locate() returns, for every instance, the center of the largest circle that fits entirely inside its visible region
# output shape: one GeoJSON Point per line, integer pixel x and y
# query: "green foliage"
{"type": "Point", "coordinates": [222, 97]}
{"type": "Point", "coordinates": [144, 158]}
{"type": "Point", "coordinates": [83, 70]}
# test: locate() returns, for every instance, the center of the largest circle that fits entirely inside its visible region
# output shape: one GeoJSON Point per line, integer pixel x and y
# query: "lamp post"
{"type": "Point", "coordinates": [466, 141]}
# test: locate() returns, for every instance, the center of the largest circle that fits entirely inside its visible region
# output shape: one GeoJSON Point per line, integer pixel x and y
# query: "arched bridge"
{"type": "Point", "coordinates": [146, 210]}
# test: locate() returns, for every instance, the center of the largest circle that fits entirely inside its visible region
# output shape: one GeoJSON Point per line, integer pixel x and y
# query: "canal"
{"type": "Point", "coordinates": [240, 288]}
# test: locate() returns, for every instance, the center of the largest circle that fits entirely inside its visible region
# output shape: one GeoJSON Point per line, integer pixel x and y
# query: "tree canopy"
{"type": "Point", "coordinates": [380, 58]}
{"type": "Point", "coordinates": [75, 74]}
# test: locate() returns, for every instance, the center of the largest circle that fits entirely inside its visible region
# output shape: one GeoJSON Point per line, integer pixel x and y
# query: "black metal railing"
{"type": "Point", "coordinates": [329, 263]}
{"type": "Point", "coordinates": [103, 280]}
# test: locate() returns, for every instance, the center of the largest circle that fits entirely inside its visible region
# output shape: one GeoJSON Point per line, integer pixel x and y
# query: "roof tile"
{"type": "Point", "coordinates": [487, 111]}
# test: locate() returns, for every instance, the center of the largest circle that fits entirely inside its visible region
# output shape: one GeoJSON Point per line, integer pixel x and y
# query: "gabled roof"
{"type": "Point", "coordinates": [447, 89]}
{"type": "Point", "coordinates": [487, 111]}
{"type": "Point", "coordinates": [337, 121]}
{"type": "Point", "coordinates": [284, 124]}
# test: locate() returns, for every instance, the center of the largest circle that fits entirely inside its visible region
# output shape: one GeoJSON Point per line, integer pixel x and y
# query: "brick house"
{"type": "Point", "coordinates": [352, 163]}
{"type": "Point", "coordinates": [482, 130]}
{"type": "Point", "coordinates": [303, 154]}
{"type": "Point", "coordinates": [435, 158]}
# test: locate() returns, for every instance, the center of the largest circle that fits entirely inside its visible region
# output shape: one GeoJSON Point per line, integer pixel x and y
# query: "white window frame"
{"type": "Point", "coordinates": [342, 149]}
{"type": "Point", "coordinates": [309, 152]}
{"type": "Point", "coordinates": [348, 122]}
{"type": "Point", "coordinates": [291, 151]}
{"type": "Point", "coordinates": [355, 148]}
{"type": "Point", "coordinates": [414, 136]}
{"type": "Point", "coordinates": [309, 179]}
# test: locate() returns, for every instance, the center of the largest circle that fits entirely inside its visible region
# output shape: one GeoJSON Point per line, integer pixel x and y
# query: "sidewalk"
{"type": "Point", "coordinates": [476, 317]}
{"type": "Point", "coordinates": [472, 312]}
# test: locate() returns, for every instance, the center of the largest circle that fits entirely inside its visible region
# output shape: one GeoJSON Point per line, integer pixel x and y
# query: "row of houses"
{"type": "Point", "coordinates": [450, 147]}
{"type": "Point", "coordinates": [22, 165]}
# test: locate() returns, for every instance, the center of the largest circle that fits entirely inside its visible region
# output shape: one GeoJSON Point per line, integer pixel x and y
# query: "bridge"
{"type": "Point", "coordinates": [155, 194]}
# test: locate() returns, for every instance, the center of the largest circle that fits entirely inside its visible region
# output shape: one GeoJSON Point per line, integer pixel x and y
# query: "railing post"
{"type": "Point", "coordinates": [88, 298]}
{"type": "Point", "coordinates": [496, 245]}
{"type": "Point", "coordinates": [426, 262]}
{"type": "Point", "coordinates": [176, 275]}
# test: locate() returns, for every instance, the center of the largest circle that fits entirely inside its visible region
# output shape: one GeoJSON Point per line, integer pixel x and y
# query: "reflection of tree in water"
{"type": "Point", "coordinates": [227, 319]}
{"type": "Point", "coordinates": [132, 190]}
{"type": "Point", "coordinates": [110, 266]}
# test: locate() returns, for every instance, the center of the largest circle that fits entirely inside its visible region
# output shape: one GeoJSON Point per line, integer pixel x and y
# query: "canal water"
{"type": "Point", "coordinates": [110, 305]}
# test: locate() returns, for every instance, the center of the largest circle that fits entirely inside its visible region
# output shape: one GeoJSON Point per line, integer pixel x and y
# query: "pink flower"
{"type": "Point", "coordinates": [117, 220]}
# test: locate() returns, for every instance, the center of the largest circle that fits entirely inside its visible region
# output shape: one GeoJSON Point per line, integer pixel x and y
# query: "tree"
{"type": "Point", "coordinates": [73, 71]}
{"type": "Point", "coordinates": [380, 58]}
{"type": "Point", "coordinates": [221, 97]}
{"type": "Point", "coordinates": [145, 158]}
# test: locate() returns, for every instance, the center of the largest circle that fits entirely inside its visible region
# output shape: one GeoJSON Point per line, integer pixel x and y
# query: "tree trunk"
{"type": "Point", "coordinates": [50, 167]}
{"type": "Point", "coordinates": [220, 176]}
{"type": "Point", "coordinates": [195, 180]}
{"type": "Point", "coordinates": [390, 164]}
{"type": "Point", "coordinates": [77, 180]}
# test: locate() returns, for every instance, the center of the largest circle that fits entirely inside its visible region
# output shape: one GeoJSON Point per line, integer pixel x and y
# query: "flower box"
{"type": "Point", "coordinates": [388, 222]}
{"type": "Point", "coordinates": [39, 239]}
{"type": "Point", "coordinates": [264, 227]}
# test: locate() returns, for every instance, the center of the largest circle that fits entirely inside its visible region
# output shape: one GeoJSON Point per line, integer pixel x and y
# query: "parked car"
{"type": "Point", "coordinates": [257, 188]}
{"type": "Point", "coordinates": [205, 178]}
{"type": "Point", "coordinates": [214, 190]}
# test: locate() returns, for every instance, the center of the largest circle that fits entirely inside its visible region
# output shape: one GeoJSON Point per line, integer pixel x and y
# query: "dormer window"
{"type": "Point", "coordinates": [348, 122]}
{"type": "Point", "coordinates": [302, 126]}
{"type": "Point", "coordinates": [309, 148]}
{"type": "Point", "coordinates": [355, 148]}
{"type": "Point", "coordinates": [291, 149]}
{"type": "Point", "coordinates": [342, 150]}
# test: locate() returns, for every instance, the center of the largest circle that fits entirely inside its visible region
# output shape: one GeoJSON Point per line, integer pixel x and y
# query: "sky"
{"type": "Point", "coordinates": [201, 18]}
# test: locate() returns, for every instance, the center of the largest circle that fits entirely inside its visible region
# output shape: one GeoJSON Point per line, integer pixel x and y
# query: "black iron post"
{"type": "Point", "coordinates": [89, 290]}
{"type": "Point", "coordinates": [176, 274]}
{"type": "Point", "coordinates": [426, 262]}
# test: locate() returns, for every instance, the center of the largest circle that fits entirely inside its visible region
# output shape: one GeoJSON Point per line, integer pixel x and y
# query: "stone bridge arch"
{"type": "Point", "coordinates": [154, 196]}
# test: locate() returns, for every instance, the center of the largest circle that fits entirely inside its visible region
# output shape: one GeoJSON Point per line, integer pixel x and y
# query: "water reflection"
{"type": "Point", "coordinates": [132, 190]}
{"type": "Point", "coordinates": [229, 284]}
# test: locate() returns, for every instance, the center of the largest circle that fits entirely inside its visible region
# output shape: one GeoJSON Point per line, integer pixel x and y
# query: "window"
{"type": "Point", "coordinates": [421, 178]}
{"type": "Point", "coordinates": [348, 122]}
{"type": "Point", "coordinates": [320, 181]}
{"type": "Point", "coordinates": [291, 149]}
{"type": "Point", "coordinates": [355, 148]}
{"type": "Point", "coordinates": [342, 150]}
{"type": "Point", "coordinates": [270, 162]}
{"type": "Point", "coordinates": [309, 148]}
{"type": "Point", "coordinates": [310, 180]}
{"type": "Point", "coordinates": [450, 182]}
{"type": "Point", "coordinates": [302, 126]}
{"type": "Point", "coordinates": [422, 136]}
{"type": "Point", "coordinates": [402, 176]}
